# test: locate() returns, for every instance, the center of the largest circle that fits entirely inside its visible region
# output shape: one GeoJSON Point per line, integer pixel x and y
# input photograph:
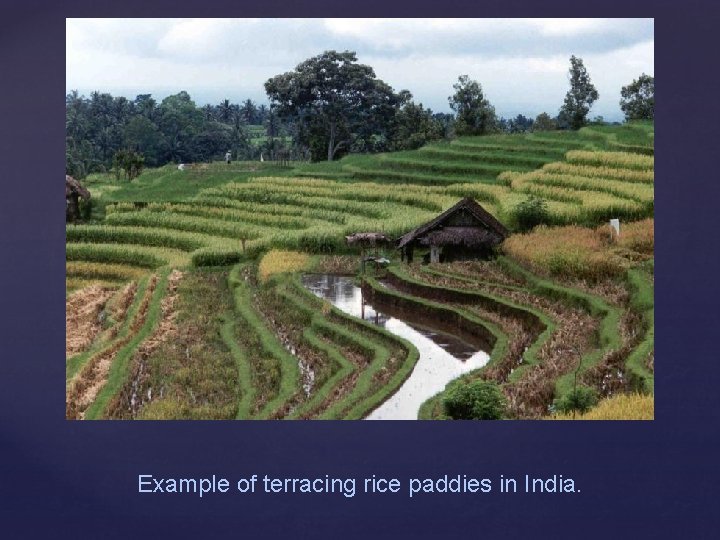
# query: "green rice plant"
{"type": "Point", "coordinates": [169, 220]}
{"type": "Point", "coordinates": [228, 214]}
{"type": "Point", "coordinates": [103, 271]}
{"type": "Point", "coordinates": [620, 160]}
{"type": "Point", "coordinates": [643, 193]}
{"type": "Point", "coordinates": [146, 236]}
{"type": "Point", "coordinates": [590, 171]}
{"type": "Point", "coordinates": [112, 253]}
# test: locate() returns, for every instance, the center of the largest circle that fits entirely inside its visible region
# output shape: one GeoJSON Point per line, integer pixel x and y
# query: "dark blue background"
{"type": "Point", "coordinates": [78, 480]}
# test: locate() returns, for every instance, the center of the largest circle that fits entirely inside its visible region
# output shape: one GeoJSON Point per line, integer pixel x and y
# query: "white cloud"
{"type": "Point", "coordinates": [521, 63]}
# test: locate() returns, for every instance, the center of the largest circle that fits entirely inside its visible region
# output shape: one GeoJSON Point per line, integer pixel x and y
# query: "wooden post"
{"type": "Point", "coordinates": [434, 254]}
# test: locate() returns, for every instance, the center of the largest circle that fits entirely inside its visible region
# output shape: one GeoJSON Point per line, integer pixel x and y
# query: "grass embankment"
{"type": "Point", "coordinates": [355, 388]}
{"type": "Point", "coordinates": [275, 372]}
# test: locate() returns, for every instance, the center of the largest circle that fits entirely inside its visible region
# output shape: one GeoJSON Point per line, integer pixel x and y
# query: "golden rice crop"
{"type": "Point", "coordinates": [589, 171]}
{"type": "Point", "coordinates": [611, 159]}
{"type": "Point", "coordinates": [579, 252]}
{"type": "Point", "coordinates": [619, 407]}
{"type": "Point", "coordinates": [278, 262]}
{"type": "Point", "coordinates": [635, 190]}
{"type": "Point", "coordinates": [638, 236]}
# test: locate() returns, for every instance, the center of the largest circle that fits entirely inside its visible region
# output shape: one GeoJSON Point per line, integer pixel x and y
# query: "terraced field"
{"type": "Point", "coordinates": [280, 352]}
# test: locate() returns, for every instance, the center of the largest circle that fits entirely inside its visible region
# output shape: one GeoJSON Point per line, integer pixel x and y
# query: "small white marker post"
{"type": "Point", "coordinates": [615, 224]}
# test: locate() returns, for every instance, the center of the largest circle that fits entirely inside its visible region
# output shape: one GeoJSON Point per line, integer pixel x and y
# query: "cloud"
{"type": "Point", "coordinates": [520, 62]}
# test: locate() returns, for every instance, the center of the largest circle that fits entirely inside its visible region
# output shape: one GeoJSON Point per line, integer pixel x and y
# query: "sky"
{"type": "Point", "coordinates": [522, 64]}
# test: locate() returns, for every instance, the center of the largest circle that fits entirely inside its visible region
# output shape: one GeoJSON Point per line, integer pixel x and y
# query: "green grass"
{"type": "Point", "coordinates": [262, 343]}
{"type": "Point", "coordinates": [642, 301]}
{"type": "Point", "coordinates": [246, 388]}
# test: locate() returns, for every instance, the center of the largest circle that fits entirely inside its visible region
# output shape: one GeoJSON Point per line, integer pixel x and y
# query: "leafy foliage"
{"type": "Point", "coordinates": [475, 115]}
{"type": "Point", "coordinates": [638, 99]}
{"type": "Point", "coordinates": [338, 99]}
{"type": "Point", "coordinates": [129, 162]}
{"type": "Point", "coordinates": [543, 122]}
{"type": "Point", "coordinates": [579, 98]}
{"type": "Point", "coordinates": [478, 400]}
{"type": "Point", "coordinates": [580, 399]}
{"type": "Point", "coordinates": [530, 213]}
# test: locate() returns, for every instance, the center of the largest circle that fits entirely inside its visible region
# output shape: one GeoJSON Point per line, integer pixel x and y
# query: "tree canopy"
{"type": "Point", "coordinates": [579, 98]}
{"type": "Point", "coordinates": [339, 101]}
{"type": "Point", "coordinates": [474, 114]}
{"type": "Point", "coordinates": [638, 99]}
{"type": "Point", "coordinates": [543, 122]}
{"type": "Point", "coordinates": [100, 126]}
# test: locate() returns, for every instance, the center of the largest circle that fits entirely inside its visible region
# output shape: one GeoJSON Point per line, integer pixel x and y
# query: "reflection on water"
{"type": "Point", "coordinates": [443, 357]}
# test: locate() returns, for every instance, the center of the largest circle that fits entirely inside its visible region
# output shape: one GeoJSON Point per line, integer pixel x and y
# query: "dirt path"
{"type": "Point", "coordinates": [83, 320]}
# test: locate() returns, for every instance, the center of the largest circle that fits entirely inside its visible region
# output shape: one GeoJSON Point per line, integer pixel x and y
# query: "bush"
{"type": "Point", "coordinates": [580, 399]}
{"type": "Point", "coordinates": [531, 213]}
{"type": "Point", "coordinates": [478, 400]}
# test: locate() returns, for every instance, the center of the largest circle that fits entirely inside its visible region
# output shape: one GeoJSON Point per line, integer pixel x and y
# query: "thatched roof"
{"type": "Point", "coordinates": [488, 231]}
{"type": "Point", "coordinates": [367, 239]}
{"type": "Point", "coordinates": [459, 236]}
{"type": "Point", "coordinates": [72, 186]}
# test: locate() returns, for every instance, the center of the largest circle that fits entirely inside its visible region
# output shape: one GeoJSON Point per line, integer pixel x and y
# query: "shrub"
{"type": "Point", "coordinates": [530, 213]}
{"type": "Point", "coordinates": [580, 399]}
{"type": "Point", "coordinates": [478, 400]}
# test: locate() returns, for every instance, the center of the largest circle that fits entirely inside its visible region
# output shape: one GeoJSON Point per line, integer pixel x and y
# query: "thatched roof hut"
{"type": "Point", "coordinates": [72, 186]}
{"type": "Point", "coordinates": [466, 230]}
{"type": "Point", "coordinates": [74, 191]}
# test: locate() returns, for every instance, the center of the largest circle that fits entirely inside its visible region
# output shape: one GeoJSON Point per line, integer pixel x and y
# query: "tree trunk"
{"type": "Point", "coordinates": [331, 142]}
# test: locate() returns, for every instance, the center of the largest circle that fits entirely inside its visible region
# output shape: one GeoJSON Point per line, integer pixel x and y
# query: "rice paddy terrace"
{"type": "Point", "coordinates": [168, 316]}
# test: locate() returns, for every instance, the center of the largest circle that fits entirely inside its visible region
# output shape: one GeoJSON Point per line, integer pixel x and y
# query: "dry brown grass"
{"type": "Point", "coordinates": [83, 317]}
{"type": "Point", "coordinates": [583, 253]}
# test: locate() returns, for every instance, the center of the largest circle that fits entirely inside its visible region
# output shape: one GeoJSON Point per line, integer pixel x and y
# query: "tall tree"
{"type": "Point", "coordinates": [224, 111]}
{"type": "Point", "coordinates": [638, 99]}
{"type": "Point", "coordinates": [543, 122]}
{"type": "Point", "coordinates": [180, 121]}
{"type": "Point", "coordinates": [415, 125]}
{"type": "Point", "coordinates": [249, 112]}
{"type": "Point", "coordinates": [142, 135]}
{"type": "Point", "coordinates": [337, 96]}
{"type": "Point", "coordinates": [519, 124]}
{"type": "Point", "coordinates": [474, 114]}
{"type": "Point", "coordinates": [580, 97]}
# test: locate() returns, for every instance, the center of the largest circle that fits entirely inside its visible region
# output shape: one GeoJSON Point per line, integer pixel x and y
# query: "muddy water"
{"type": "Point", "coordinates": [443, 357]}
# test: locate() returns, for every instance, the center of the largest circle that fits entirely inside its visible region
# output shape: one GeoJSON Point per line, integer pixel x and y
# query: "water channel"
{"type": "Point", "coordinates": [443, 357]}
